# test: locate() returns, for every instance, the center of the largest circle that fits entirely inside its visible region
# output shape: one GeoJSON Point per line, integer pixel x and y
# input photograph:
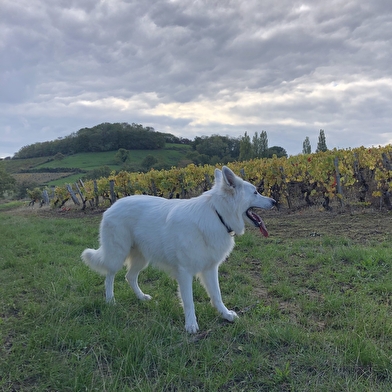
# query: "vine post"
{"type": "Point", "coordinates": [338, 182]}
{"type": "Point", "coordinates": [96, 194]}
{"type": "Point", "coordinates": [208, 180]}
{"type": "Point", "coordinates": [386, 193]}
{"type": "Point", "coordinates": [112, 193]}
{"type": "Point", "coordinates": [284, 181]}
{"type": "Point", "coordinates": [242, 173]}
{"type": "Point", "coordinates": [153, 187]}
{"type": "Point", "coordinates": [45, 197]}
{"type": "Point", "coordinates": [81, 194]}
{"type": "Point", "coordinates": [73, 195]}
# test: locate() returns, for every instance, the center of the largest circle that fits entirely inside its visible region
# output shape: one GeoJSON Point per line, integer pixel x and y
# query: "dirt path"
{"type": "Point", "coordinates": [360, 226]}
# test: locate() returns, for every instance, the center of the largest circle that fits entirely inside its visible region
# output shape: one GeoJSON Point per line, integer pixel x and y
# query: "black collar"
{"type": "Point", "coordinates": [228, 228]}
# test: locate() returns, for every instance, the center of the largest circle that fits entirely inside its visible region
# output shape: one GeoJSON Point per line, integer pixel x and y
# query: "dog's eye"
{"type": "Point", "coordinates": [255, 192]}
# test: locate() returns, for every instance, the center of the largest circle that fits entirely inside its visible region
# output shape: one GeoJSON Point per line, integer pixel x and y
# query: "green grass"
{"type": "Point", "coordinates": [11, 205]}
{"type": "Point", "coordinates": [169, 156]}
{"type": "Point", "coordinates": [315, 315]}
{"type": "Point", "coordinates": [84, 161]}
{"type": "Point", "coordinates": [65, 180]}
{"type": "Point", "coordinates": [15, 165]}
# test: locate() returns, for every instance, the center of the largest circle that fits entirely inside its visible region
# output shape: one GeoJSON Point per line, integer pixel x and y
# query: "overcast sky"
{"type": "Point", "coordinates": [196, 68]}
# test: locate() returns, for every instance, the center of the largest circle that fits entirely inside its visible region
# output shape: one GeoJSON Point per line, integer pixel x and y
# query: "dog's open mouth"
{"type": "Point", "coordinates": [257, 221]}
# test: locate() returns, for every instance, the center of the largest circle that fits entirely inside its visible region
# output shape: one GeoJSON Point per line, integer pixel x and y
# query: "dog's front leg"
{"type": "Point", "coordinates": [210, 281]}
{"type": "Point", "coordinates": [185, 287]}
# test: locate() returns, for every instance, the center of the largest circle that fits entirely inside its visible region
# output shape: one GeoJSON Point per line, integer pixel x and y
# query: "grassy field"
{"type": "Point", "coordinates": [16, 165]}
{"type": "Point", "coordinates": [314, 301]}
{"type": "Point", "coordinates": [93, 160]}
{"type": "Point", "coordinates": [84, 161]}
{"type": "Point", "coordinates": [171, 155]}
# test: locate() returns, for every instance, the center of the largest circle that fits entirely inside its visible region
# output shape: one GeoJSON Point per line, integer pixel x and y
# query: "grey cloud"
{"type": "Point", "coordinates": [289, 67]}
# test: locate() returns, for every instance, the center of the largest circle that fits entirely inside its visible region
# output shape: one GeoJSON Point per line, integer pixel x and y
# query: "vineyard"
{"type": "Point", "coordinates": [360, 176]}
{"type": "Point", "coordinates": [39, 178]}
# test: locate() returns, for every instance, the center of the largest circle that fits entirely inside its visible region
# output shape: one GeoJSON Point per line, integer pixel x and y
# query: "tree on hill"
{"type": "Point", "coordinates": [246, 148]}
{"type": "Point", "coordinates": [213, 149]}
{"type": "Point", "coordinates": [59, 156]}
{"type": "Point", "coordinates": [260, 145]}
{"type": "Point", "coordinates": [121, 155]}
{"type": "Point", "coordinates": [306, 147]}
{"type": "Point", "coordinates": [321, 145]}
{"type": "Point", "coordinates": [278, 151]}
{"type": "Point", "coordinates": [148, 162]}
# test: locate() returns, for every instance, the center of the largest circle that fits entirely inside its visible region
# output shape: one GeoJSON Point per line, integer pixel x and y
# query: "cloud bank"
{"type": "Point", "coordinates": [193, 68]}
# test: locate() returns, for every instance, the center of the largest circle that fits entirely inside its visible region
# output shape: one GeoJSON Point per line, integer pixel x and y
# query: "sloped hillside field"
{"type": "Point", "coordinates": [314, 299]}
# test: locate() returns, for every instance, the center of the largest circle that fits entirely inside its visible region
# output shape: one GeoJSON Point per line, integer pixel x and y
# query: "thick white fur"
{"type": "Point", "coordinates": [186, 238]}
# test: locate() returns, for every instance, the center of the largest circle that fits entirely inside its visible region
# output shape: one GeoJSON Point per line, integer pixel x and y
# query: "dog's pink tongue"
{"type": "Point", "coordinates": [263, 229]}
{"type": "Point", "coordinates": [261, 225]}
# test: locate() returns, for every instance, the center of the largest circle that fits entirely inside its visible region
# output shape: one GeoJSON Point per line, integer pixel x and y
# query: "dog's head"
{"type": "Point", "coordinates": [240, 197]}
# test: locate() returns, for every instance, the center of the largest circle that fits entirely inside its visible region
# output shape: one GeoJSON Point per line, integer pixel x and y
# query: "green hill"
{"type": "Point", "coordinates": [169, 156]}
{"type": "Point", "coordinates": [50, 171]}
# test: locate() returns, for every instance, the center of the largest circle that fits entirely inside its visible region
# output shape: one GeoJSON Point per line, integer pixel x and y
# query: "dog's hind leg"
{"type": "Point", "coordinates": [185, 280]}
{"type": "Point", "coordinates": [136, 263]}
{"type": "Point", "coordinates": [210, 281]}
{"type": "Point", "coordinates": [109, 282]}
{"type": "Point", "coordinates": [115, 263]}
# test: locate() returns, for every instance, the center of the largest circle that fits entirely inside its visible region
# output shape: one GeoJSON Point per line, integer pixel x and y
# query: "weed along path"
{"type": "Point", "coordinates": [314, 300]}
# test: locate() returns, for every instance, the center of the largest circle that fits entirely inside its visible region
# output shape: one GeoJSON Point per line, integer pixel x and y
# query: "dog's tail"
{"type": "Point", "coordinates": [94, 259]}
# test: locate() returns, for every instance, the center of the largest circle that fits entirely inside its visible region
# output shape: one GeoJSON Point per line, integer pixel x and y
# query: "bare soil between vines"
{"type": "Point", "coordinates": [360, 226]}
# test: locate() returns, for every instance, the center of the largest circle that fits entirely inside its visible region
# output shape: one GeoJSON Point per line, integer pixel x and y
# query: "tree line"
{"type": "Point", "coordinates": [112, 137]}
{"type": "Point", "coordinates": [223, 149]}
{"type": "Point", "coordinates": [124, 137]}
{"type": "Point", "coordinates": [102, 137]}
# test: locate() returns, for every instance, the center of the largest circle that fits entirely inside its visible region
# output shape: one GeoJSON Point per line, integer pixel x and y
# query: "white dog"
{"type": "Point", "coordinates": [186, 238]}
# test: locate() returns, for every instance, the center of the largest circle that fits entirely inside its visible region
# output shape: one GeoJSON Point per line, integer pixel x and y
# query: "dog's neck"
{"type": "Point", "coordinates": [228, 228]}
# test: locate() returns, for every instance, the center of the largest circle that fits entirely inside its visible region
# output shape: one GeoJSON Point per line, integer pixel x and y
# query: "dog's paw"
{"type": "Point", "coordinates": [192, 328]}
{"type": "Point", "coordinates": [230, 315]}
{"type": "Point", "coordinates": [145, 297]}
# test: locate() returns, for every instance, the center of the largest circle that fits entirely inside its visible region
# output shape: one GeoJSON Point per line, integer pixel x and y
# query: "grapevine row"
{"type": "Point", "coordinates": [361, 175]}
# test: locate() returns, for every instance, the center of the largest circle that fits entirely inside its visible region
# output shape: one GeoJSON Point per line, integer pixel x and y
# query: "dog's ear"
{"type": "Point", "coordinates": [229, 177]}
{"type": "Point", "coordinates": [218, 176]}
